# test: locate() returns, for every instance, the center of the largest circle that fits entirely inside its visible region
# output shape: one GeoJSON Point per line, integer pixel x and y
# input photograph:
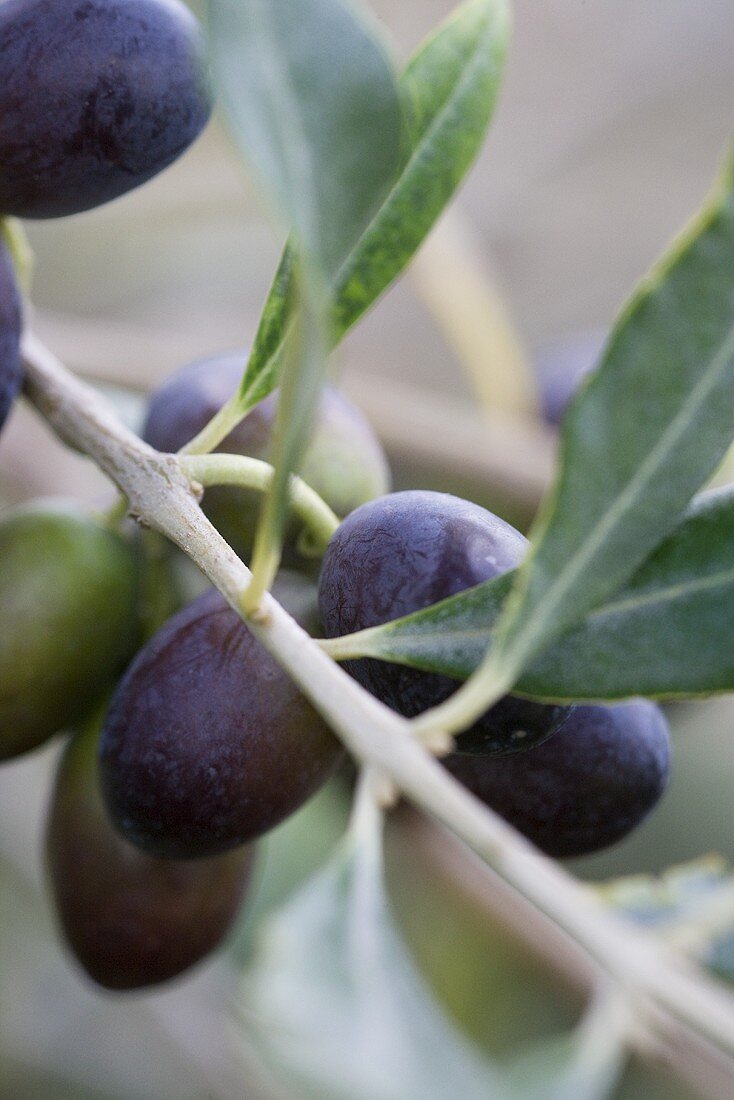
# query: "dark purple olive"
{"type": "Point", "coordinates": [207, 742]}
{"type": "Point", "coordinates": [560, 368]}
{"type": "Point", "coordinates": [344, 461]}
{"type": "Point", "coordinates": [11, 374]}
{"type": "Point", "coordinates": [585, 788]}
{"type": "Point", "coordinates": [96, 97]}
{"type": "Point", "coordinates": [130, 919]}
{"type": "Point", "coordinates": [402, 553]}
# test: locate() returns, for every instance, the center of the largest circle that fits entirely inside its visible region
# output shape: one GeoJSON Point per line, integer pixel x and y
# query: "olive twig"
{"type": "Point", "coordinates": [252, 473]}
{"type": "Point", "coordinates": [160, 494]}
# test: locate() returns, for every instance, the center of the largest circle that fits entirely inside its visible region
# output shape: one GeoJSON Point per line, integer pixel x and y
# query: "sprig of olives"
{"type": "Point", "coordinates": [206, 743]}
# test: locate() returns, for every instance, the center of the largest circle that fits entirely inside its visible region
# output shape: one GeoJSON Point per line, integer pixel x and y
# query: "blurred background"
{"type": "Point", "coordinates": [609, 133]}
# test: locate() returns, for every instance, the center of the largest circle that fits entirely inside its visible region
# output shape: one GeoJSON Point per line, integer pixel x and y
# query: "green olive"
{"type": "Point", "coordinates": [344, 462]}
{"type": "Point", "coordinates": [69, 605]}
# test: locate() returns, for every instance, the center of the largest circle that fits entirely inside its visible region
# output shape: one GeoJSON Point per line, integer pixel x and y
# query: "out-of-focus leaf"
{"type": "Point", "coordinates": [667, 632]}
{"type": "Point", "coordinates": [291, 854]}
{"type": "Point", "coordinates": [677, 894]}
{"type": "Point", "coordinates": [334, 1005]}
{"type": "Point", "coordinates": [691, 904]}
{"type": "Point", "coordinates": [313, 102]}
{"type": "Point", "coordinates": [311, 98]}
{"type": "Point", "coordinates": [450, 89]}
{"type": "Point", "coordinates": [585, 1063]}
{"type": "Point", "coordinates": [643, 434]}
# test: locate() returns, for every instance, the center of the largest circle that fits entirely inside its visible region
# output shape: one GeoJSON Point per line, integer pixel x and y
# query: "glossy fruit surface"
{"type": "Point", "coordinates": [585, 788]}
{"type": "Point", "coordinates": [405, 552]}
{"type": "Point", "coordinates": [344, 462]}
{"type": "Point", "coordinates": [96, 97]}
{"type": "Point", "coordinates": [207, 742]}
{"type": "Point", "coordinates": [130, 919]}
{"type": "Point", "coordinates": [10, 324]}
{"type": "Point", "coordinates": [68, 592]}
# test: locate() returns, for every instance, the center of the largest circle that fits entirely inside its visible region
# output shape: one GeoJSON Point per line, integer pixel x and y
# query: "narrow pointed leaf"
{"type": "Point", "coordinates": [312, 100]}
{"type": "Point", "coordinates": [449, 90]}
{"type": "Point", "coordinates": [646, 431]}
{"type": "Point", "coordinates": [668, 632]}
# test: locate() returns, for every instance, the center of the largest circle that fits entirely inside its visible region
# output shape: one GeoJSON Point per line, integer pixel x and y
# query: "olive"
{"type": "Point", "coordinates": [68, 595]}
{"type": "Point", "coordinates": [587, 787]}
{"type": "Point", "coordinates": [96, 97]}
{"type": "Point", "coordinates": [402, 553]}
{"type": "Point", "coordinates": [344, 461]}
{"type": "Point", "coordinates": [207, 742]}
{"type": "Point", "coordinates": [130, 919]}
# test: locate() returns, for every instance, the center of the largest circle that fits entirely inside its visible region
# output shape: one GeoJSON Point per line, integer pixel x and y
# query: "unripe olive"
{"type": "Point", "coordinates": [207, 742]}
{"type": "Point", "coordinates": [68, 592]}
{"type": "Point", "coordinates": [10, 327]}
{"type": "Point", "coordinates": [344, 461]}
{"type": "Point", "coordinates": [130, 919]}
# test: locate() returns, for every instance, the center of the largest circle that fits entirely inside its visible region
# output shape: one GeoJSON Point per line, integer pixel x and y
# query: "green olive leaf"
{"type": "Point", "coordinates": [301, 385]}
{"type": "Point", "coordinates": [449, 91]}
{"type": "Point", "coordinates": [584, 1063]}
{"type": "Point", "coordinates": [451, 88]}
{"type": "Point", "coordinates": [646, 431]}
{"type": "Point", "coordinates": [333, 1004]}
{"type": "Point", "coordinates": [666, 633]}
{"type": "Point", "coordinates": [312, 100]}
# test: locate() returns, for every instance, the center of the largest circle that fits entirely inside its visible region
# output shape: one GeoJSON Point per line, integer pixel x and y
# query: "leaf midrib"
{"type": "Point", "coordinates": [526, 641]}
{"type": "Point", "coordinates": [659, 596]}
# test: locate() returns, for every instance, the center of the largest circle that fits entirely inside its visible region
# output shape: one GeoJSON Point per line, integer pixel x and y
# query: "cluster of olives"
{"type": "Point", "coordinates": [188, 741]}
{"type": "Point", "coordinates": [572, 779]}
{"type": "Point", "coordinates": [204, 744]}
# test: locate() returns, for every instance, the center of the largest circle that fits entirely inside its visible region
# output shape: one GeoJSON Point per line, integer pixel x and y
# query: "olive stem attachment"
{"type": "Point", "coordinates": [251, 473]}
{"type": "Point", "coordinates": [666, 991]}
{"type": "Point", "coordinates": [221, 424]}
